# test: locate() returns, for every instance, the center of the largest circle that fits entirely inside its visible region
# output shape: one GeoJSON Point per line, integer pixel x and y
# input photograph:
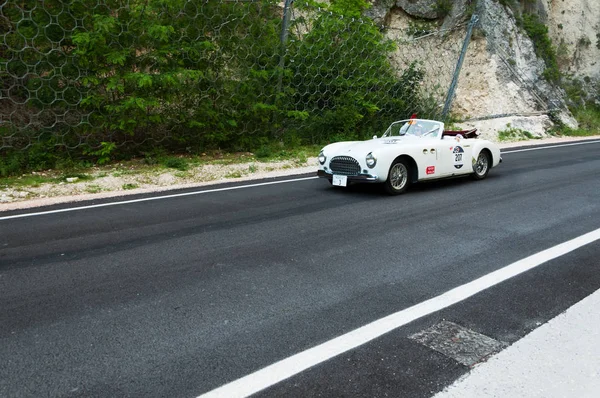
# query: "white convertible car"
{"type": "Point", "coordinates": [409, 151]}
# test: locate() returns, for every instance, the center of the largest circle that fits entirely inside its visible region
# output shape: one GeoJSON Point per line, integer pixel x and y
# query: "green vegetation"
{"type": "Point", "coordinates": [588, 118]}
{"type": "Point", "coordinates": [234, 174]}
{"type": "Point", "coordinates": [33, 180]}
{"type": "Point", "coordinates": [129, 186]}
{"type": "Point", "coordinates": [176, 77]}
{"type": "Point", "coordinates": [538, 33]}
{"type": "Point", "coordinates": [93, 188]}
{"type": "Point", "coordinates": [419, 27]}
{"type": "Point", "coordinates": [177, 163]}
{"type": "Point", "coordinates": [515, 134]}
{"type": "Point", "coordinates": [443, 7]}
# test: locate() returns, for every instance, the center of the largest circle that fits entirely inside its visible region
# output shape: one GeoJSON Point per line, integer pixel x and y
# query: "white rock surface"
{"type": "Point", "coordinates": [489, 129]}
{"type": "Point", "coordinates": [573, 26]}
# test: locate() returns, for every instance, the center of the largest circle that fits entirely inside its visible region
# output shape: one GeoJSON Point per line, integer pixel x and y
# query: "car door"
{"type": "Point", "coordinates": [456, 156]}
{"type": "Point", "coordinates": [428, 161]}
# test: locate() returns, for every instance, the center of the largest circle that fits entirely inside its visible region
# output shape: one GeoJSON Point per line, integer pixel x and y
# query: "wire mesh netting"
{"type": "Point", "coordinates": [88, 74]}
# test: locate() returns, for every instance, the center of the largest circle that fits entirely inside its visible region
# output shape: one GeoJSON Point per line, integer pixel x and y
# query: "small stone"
{"type": "Point", "coordinates": [23, 194]}
{"type": "Point", "coordinates": [72, 179]}
{"type": "Point", "coordinates": [4, 199]}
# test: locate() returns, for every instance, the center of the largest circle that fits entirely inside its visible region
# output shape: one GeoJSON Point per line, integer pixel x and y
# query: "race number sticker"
{"type": "Point", "coordinates": [458, 154]}
{"type": "Point", "coordinates": [430, 170]}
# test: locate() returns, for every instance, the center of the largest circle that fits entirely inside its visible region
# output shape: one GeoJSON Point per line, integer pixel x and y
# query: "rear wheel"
{"type": "Point", "coordinates": [482, 165]}
{"type": "Point", "coordinates": [398, 178]}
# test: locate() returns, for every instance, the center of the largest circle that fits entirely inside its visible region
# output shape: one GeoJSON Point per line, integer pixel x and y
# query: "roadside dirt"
{"type": "Point", "coordinates": [118, 180]}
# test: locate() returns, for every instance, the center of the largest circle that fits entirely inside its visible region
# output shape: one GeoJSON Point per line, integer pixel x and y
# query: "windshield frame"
{"type": "Point", "coordinates": [439, 127]}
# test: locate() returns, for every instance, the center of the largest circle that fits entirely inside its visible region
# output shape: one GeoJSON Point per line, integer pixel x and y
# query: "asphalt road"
{"type": "Point", "coordinates": [175, 297]}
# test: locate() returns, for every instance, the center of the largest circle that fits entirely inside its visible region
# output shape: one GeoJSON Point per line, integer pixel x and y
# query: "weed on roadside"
{"type": "Point", "coordinates": [176, 163]}
{"type": "Point", "coordinates": [234, 174]}
{"type": "Point", "coordinates": [27, 181]}
{"type": "Point", "coordinates": [93, 188]}
{"type": "Point", "coordinates": [515, 134]}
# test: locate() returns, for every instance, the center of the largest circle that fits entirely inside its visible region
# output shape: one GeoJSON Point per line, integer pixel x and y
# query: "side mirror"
{"type": "Point", "coordinates": [374, 137]}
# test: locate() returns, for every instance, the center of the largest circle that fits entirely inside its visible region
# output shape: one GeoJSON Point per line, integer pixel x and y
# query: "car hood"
{"type": "Point", "coordinates": [359, 149]}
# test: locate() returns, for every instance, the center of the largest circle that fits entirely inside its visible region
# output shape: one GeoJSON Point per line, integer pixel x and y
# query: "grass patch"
{"type": "Point", "coordinates": [93, 188]}
{"type": "Point", "coordinates": [27, 181]}
{"type": "Point", "coordinates": [177, 163]}
{"type": "Point", "coordinates": [181, 174]}
{"type": "Point", "coordinates": [274, 151]}
{"type": "Point", "coordinates": [264, 152]}
{"type": "Point", "coordinates": [577, 132]}
{"type": "Point", "coordinates": [514, 134]}
{"type": "Point", "coordinates": [234, 174]}
{"type": "Point", "coordinates": [588, 118]}
{"type": "Point", "coordinates": [129, 186]}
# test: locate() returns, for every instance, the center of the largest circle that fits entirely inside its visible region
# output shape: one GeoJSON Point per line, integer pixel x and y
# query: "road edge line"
{"type": "Point", "coordinates": [176, 195]}
{"type": "Point", "coordinates": [297, 363]}
{"type": "Point", "coordinates": [551, 146]}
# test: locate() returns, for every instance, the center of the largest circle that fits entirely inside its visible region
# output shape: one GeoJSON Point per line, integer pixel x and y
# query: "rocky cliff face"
{"type": "Point", "coordinates": [502, 74]}
{"type": "Point", "coordinates": [574, 26]}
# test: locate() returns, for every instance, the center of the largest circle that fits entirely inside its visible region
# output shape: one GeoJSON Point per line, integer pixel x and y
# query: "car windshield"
{"type": "Point", "coordinates": [413, 127]}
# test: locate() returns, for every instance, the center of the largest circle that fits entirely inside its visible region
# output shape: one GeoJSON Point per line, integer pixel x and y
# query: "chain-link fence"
{"type": "Point", "coordinates": [94, 75]}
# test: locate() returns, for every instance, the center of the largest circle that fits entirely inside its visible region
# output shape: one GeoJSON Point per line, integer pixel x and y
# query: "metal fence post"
{"type": "Point", "coordinates": [287, 11]}
{"type": "Point", "coordinates": [461, 58]}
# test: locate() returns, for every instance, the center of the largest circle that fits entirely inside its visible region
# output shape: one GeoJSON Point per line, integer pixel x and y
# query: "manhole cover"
{"type": "Point", "coordinates": [459, 343]}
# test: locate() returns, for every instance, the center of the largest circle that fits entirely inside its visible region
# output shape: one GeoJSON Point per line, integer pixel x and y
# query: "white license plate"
{"type": "Point", "coordinates": [340, 181]}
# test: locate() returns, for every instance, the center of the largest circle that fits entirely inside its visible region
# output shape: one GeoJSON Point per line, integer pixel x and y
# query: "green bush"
{"type": "Point", "coordinates": [189, 75]}
{"type": "Point", "coordinates": [515, 134]}
{"type": "Point", "coordinates": [538, 33]}
{"type": "Point", "coordinates": [175, 163]}
{"type": "Point", "coordinates": [348, 89]}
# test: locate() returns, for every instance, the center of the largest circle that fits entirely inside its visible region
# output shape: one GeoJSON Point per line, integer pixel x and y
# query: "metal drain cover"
{"type": "Point", "coordinates": [457, 342]}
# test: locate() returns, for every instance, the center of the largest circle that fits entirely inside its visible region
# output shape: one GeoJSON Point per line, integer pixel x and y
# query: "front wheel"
{"type": "Point", "coordinates": [482, 166]}
{"type": "Point", "coordinates": [398, 178]}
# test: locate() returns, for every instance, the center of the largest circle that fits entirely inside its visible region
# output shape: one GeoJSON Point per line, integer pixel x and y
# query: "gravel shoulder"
{"type": "Point", "coordinates": [121, 180]}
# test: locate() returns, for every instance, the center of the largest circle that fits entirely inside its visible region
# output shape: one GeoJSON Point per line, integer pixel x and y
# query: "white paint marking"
{"type": "Point", "coordinates": [177, 195]}
{"type": "Point", "coordinates": [297, 363]}
{"type": "Point", "coordinates": [551, 146]}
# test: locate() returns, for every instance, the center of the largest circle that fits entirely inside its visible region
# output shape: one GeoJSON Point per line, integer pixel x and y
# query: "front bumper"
{"type": "Point", "coordinates": [356, 178]}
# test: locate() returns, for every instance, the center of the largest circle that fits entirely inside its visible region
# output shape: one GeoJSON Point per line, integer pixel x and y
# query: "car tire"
{"type": "Point", "coordinates": [482, 165]}
{"type": "Point", "coordinates": [398, 178]}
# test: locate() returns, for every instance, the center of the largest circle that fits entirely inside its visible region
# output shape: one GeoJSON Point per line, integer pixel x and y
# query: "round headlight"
{"type": "Point", "coordinates": [322, 157]}
{"type": "Point", "coordinates": [371, 160]}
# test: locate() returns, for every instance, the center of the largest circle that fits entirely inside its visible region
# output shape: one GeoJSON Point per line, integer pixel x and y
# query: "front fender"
{"type": "Point", "coordinates": [385, 160]}
{"type": "Point", "coordinates": [491, 147]}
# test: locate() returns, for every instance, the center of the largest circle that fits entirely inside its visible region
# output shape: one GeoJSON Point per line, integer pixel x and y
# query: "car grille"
{"type": "Point", "coordinates": [344, 165]}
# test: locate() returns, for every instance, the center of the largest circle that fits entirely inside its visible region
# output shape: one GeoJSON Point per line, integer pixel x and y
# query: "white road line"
{"type": "Point", "coordinates": [297, 363]}
{"type": "Point", "coordinates": [177, 195]}
{"type": "Point", "coordinates": [551, 146]}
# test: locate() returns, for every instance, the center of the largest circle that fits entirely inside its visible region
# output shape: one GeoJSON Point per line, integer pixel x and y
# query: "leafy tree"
{"type": "Point", "coordinates": [344, 85]}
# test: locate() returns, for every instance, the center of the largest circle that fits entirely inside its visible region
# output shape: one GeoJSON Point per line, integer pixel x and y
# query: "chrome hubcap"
{"type": "Point", "coordinates": [398, 176]}
{"type": "Point", "coordinates": [482, 164]}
